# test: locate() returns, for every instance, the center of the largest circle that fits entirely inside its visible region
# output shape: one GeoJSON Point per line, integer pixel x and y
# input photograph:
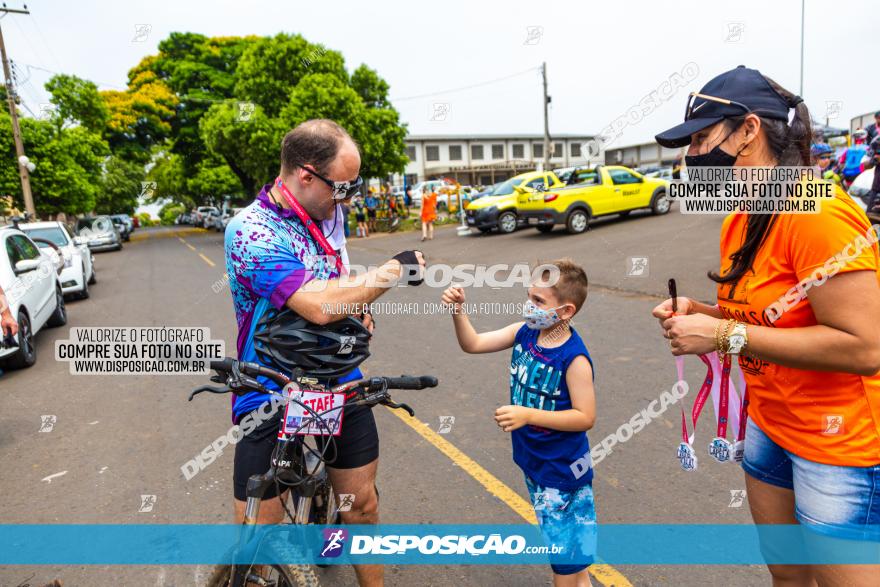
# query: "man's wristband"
{"type": "Point", "coordinates": [409, 267]}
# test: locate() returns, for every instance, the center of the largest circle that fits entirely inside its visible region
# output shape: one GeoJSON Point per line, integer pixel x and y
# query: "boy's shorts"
{"type": "Point", "coordinates": [567, 519]}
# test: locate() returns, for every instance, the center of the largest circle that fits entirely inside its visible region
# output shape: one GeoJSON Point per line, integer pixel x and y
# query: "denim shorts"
{"type": "Point", "coordinates": [842, 502]}
{"type": "Point", "coordinates": [567, 519]}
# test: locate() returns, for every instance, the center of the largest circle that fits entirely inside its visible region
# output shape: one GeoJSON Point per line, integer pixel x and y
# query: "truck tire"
{"type": "Point", "coordinates": [660, 203]}
{"type": "Point", "coordinates": [577, 221]}
{"type": "Point", "coordinates": [507, 222]}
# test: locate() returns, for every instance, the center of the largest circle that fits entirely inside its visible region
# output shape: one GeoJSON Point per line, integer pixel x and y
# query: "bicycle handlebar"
{"type": "Point", "coordinates": [240, 377]}
{"type": "Point", "coordinates": [411, 382]}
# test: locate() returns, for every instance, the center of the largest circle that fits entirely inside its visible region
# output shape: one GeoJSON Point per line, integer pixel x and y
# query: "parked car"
{"type": "Point", "coordinates": [33, 291]}
{"type": "Point", "coordinates": [198, 215]}
{"type": "Point", "coordinates": [78, 272]}
{"type": "Point", "coordinates": [590, 192]}
{"type": "Point", "coordinates": [125, 224]}
{"type": "Point", "coordinates": [101, 232]}
{"type": "Point", "coordinates": [498, 210]}
{"type": "Point", "coordinates": [212, 220]}
{"type": "Point", "coordinates": [228, 216]}
{"type": "Point", "coordinates": [419, 189]}
{"type": "Point", "coordinates": [183, 218]}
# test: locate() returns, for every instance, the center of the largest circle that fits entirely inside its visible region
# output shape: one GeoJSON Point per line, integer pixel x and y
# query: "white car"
{"type": "Point", "coordinates": [230, 214]}
{"type": "Point", "coordinates": [30, 280]}
{"type": "Point", "coordinates": [860, 187]}
{"type": "Point", "coordinates": [419, 189]}
{"type": "Point", "coordinates": [79, 263]}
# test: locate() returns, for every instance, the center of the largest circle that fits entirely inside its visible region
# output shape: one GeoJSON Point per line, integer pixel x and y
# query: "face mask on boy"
{"type": "Point", "coordinates": [538, 318]}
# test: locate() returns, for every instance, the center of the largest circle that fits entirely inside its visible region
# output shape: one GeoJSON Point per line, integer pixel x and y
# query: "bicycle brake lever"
{"type": "Point", "coordinates": [396, 406]}
{"type": "Point", "coordinates": [218, 390]}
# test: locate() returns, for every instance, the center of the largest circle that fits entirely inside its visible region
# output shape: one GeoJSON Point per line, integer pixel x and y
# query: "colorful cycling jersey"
{"type": "Point", "coordinates": [851, 160]}
{"type": "Point", "coordinates": [269, 256]}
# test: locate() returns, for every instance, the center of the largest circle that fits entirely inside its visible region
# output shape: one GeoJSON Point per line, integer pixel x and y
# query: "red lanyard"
{"type": "Point", "coordinates": [310, 225]}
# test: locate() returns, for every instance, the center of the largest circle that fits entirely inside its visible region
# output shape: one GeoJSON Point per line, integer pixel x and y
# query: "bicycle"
{"type": "Point", "coordinates": [296, 462]}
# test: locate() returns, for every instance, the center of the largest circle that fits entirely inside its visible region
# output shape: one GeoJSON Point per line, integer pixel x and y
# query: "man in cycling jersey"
{"type": "Point", "coordinates": [277, 256]}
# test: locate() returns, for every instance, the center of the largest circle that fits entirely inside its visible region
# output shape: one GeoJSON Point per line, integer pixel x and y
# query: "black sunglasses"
{"type": "Point", "coordinates": [342, 190]}
{"type": "Point", "coordinates": [690, 109]}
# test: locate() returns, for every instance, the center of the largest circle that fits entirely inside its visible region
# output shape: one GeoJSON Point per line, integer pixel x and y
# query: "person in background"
{"type": "Point", "coordinates": [428, 213]}
{"type": "Point", "coordinates": [372, 203]}
{"type": "Point", "coordinates": [407, 199]}
{"type": "Point", "coordinates": [360, 216]}
{"type": "Point", "coordinates": [874, 194]}
{"type": "Point", "coordinates": [346, 219]}
{"type": "Point", "coordinates": [850, 162]}
{"type": "Point", "coordinates": [873, 129]}
{"type": "Point", "coordinates": [823, 156]}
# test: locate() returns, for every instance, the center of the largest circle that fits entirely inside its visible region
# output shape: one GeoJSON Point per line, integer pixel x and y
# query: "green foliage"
{"type": "Point", "coordinates": [169, 213]}
{"type": "Point", "coordinates": [121, 185]}
{"type": "Point", "coordinates": [68, 163]}
{"type": "Point", "coordinates": [145, 220]}
{"type": "Point", "coordinates": [77, 101]}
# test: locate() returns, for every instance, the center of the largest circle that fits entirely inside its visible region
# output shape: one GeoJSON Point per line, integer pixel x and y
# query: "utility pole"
{"type": "Point", "coordinates": [546, 121]}
{"type": "Point", "coordinates": [13, 113]}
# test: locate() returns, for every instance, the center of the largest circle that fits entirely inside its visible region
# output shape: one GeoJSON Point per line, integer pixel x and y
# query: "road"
{"type": "Point", "coordinates": [120, 437]}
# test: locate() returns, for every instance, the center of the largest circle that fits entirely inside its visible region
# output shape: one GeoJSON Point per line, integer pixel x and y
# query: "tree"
{"type": "Point", "coordinates": [271, 67]}
{"type": "Point", "coordinates": [76, 101]}
{"type": "Point", "coordinates": [249, 147]}
{"type": "Point", "coordinates": [140, 117]}
{"type": "Point", "coordinates": [121, 185]}
{"type": "Point", "coordinates": [68, 165]}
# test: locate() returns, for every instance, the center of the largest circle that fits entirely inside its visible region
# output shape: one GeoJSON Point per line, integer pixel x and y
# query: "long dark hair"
{"type": "Point", "coordinates": [790, 146]}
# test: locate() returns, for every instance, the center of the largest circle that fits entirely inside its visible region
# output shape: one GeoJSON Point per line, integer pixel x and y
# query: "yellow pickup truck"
{"type": "Point", "coordinates": [590, 192]}
{"type": "Point", "coordinates": [499, 209]}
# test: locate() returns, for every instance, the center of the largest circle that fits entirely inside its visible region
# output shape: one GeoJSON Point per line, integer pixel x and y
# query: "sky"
{"type": "Point", "coordinates": [602, 57]}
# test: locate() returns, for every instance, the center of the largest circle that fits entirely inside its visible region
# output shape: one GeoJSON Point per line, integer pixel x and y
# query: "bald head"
{"type": "Point", "coordinates": [327, 148]}
{"type": "Point", "coordinates": [316, 143]}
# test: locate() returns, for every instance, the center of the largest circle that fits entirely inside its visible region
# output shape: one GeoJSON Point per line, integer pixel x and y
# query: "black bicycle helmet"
{"type": "Point", "coordinates": [285, 341]}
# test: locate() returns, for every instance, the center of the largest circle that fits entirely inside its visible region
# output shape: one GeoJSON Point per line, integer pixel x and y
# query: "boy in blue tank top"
{"type": "Point", "coordinates": [552, 405]}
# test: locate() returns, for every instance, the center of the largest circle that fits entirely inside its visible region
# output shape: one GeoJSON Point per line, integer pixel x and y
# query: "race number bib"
{"type": "Point", "coordinates": [314, 413]}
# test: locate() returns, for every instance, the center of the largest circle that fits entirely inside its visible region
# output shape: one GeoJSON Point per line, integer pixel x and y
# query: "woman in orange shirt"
{"type": "Point", "coordinates": [799, 306]}
{"type": "Point", "coordinates": [429, 214]}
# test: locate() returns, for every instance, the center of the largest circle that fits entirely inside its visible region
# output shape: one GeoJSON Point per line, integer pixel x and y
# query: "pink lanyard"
{"type": "Point", "coordinates": [719, 448]}
{"type": "Point", "coordinates": [310, 225]}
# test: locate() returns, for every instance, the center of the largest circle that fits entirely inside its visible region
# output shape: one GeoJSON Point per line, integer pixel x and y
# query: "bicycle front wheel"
{"type": "Point", "coordinates": [273, 576]}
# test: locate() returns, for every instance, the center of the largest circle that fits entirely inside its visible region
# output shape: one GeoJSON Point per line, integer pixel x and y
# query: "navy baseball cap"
{"type": "Point", "coordinates": [733, 93]}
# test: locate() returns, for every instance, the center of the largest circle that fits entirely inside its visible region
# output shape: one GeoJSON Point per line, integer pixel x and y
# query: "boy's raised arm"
{"type": "Point", "coordinates": [468, 339]}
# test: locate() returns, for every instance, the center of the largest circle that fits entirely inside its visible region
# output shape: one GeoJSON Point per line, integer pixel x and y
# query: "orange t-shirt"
{"type": "Point", "coordinates": [826, 417]}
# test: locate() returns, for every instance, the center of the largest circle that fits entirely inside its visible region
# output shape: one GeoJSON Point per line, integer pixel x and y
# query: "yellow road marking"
{"type": "Point", "coordinates": [192, 248]}
{"type": "Point", "coordinates": [605, 574]}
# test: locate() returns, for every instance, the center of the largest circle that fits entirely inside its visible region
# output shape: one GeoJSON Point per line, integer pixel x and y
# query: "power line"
{"type": "Point", "coordinates": [463, 88]}
{"type": "Point", "coordinates": [38, 68]}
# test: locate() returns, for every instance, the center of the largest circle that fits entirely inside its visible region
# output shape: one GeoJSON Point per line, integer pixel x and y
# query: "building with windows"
{"type": "Point", "coordinates": [643, 156]}
{"type": "Point", "coordinates": [487, 159]}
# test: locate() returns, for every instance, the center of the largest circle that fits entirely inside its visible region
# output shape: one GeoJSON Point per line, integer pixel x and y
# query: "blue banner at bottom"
{"type": "Point", "coordinates": [495, 544]}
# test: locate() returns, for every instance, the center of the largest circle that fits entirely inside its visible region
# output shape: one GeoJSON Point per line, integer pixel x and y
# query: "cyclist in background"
{"type": "Point", "coordinates": [850, 162]}
{"type": "Point", "coordinates": [823, 156]}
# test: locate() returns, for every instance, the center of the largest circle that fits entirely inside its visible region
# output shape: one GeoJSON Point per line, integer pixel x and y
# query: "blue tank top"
{"type": "Point", "coordinates": [852, 164]}
{"type": "Point", "coordinates": [552, 458]}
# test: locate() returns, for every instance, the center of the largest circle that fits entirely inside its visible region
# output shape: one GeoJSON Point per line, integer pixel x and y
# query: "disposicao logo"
{"type": "Point", "coordinates": [334, 542]}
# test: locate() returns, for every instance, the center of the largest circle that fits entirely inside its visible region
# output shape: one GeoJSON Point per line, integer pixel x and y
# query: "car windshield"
{"type": "Point", "coordinates": [505, 188]}
{"type": "Point", "coordinates": [53, 234]}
